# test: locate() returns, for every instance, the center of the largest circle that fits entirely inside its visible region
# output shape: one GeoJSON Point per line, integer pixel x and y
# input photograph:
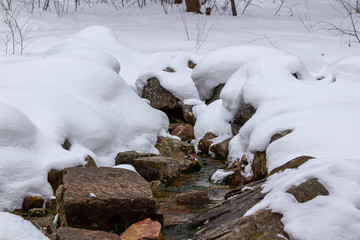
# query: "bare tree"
{"type": "Point", "coordinates": [352, 13]}
{"type": "Point", "coordinates": [233, 8]}
{"type": "Point", "coordinates": [16, 30]}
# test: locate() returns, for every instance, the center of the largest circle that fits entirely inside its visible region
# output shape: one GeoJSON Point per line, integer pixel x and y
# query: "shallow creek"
{"type": "Point", "coordinates": [177, 217]}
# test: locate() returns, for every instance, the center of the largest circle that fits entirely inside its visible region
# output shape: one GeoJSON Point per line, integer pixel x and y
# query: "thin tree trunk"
{"type": "Point", "coordinates": [233, 8]}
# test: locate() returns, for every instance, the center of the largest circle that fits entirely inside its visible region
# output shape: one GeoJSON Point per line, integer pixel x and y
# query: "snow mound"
{"type": "Point", "coordinates": [162, 65]}
{"type": "Point", "coordinates": [14, 227]}
{"type": "Point", "coordinates": [216, 67]}
{"type": "Point", "coordinates": [220, 175]}
{"type": "Point", "coordinates": [75, 95]}
{"type": "Point", "coordinates": [323, 116]}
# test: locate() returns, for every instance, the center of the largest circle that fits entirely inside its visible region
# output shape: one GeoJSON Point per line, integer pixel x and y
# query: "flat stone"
{"type": "Point", "coordinates": [308, 190]}
{"type": "Point", "coordinates": [104, 198]}
{"type": "Point", "coordinates": [295, 163]}
{"type": "Point", "coordinates": [128, 156]}
{"type": "Point", "coordinates": [221, 150]}
{"type": "Point", "coordinates": [143, 230]}
{"type": "Point", "coordinates": [69, 233]}
{"type": "Point", "coordinates": [155, 167]}
{"type": "Point", "coordinates": [204, 143]}
{"type": "Point", "coordinates": [195, 197]}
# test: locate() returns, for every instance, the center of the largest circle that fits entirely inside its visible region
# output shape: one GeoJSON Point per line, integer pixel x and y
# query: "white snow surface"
{"type": "Point", "coordinates": [179, 83]}
{"type": "Point", "coordinates": [74, 95]}
{"type": "Point", "coordinates": [216, 67]}
{"type": "Point", "coordinates": [14, 227]}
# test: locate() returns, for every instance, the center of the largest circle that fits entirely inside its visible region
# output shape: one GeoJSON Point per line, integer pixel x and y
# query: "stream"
{"type": "Point", "coordinates": [177, 217]}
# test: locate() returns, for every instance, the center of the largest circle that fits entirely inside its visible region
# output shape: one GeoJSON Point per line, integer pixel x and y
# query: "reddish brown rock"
{"type": "Point", "coordinates": [104, 198]}
{"type": "Point", "coordinates": [204, 143]}
{"type": "Point", "coordinates": [172, 126]}
{"type": "Point", "coordinates": [185, 133]}
{"type": "Point", "coordinates": [143, 230]}
{"type": "Point", "coordinates": [193, 197]}
{"type": "Point", "coordinates": [32, 202]}
{"type": "Point", "coordinates": [69, 233]}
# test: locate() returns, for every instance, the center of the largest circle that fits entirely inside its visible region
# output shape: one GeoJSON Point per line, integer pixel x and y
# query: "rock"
{"type": "Point", "coordinates": [32, 202]}
{"type": "Point", "coordinates": [221, 150]}
{"type": "Point", "coordinates": [205, 142]}
{"type": "Point", "coordinates": [69, 233]}
{"type": "Point", "coordinates": [169, 69]}
{"type": "Point", "coordinates": [195, 197]}
{"type": "Point", "coordinates": [308, 190]}
{"type": "Point", "coordinates": [143, 230]}
{"type": "Point", "coordinates": [191, 64]}
{"type": "Point", "coordinates": [188, 114]}
{"type": "Point", "coordinates": [244, 114]}
{"type": "Point", "coordinates": [216, 94]}
{"type": "Point", "coordinates": [162, 99]}
{"type": "Point", "coordinates": [104, 198]}
{"type": "Point", "coordinates": [295, 163]}
{"type": "Point", "coordinates": [227, 221]}
{"type": "Point", "coordinates": [182, 151]}
{"type": "Point", "coordinates": [55, 178]}
{"type": "Point", "coordinates": [155, 168]}
{"type": "Point", "coordinates": [259, 166]}
{"type": "Point", "coordinates": [66, 145]}
{"type": "Point", "coordinates": [37, 212]}
{"type": "Point", "coordinates": [234, 179]}
{"type": "Point", "coordinates": [262, 225]}
{"type": "Point", "coordinates": [50, 205]}
{"type": "Point", "coordinates": [277, 136]}
{"type": "Point", "coordinates": [185, 133]}
{"type": "Point", "coordinates": [237, 204]}
{"type": "Point", "coordinates": [172, 126]}
{"type": "Point", "coordinates": [90, 162]}
{"type": "Point", "coordinates": [128, 156]}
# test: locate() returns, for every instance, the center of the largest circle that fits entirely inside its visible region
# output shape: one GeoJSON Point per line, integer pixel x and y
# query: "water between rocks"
{"type": "Point", "coordinates": [177, 217]}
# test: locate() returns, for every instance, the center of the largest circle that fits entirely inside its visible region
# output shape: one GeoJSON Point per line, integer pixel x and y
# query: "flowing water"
{"type": "Point", "coordinates": [177, 217]}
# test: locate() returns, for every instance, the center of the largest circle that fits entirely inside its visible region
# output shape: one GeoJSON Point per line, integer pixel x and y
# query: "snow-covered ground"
{"type": "Point", "coordinates": [79, 82]}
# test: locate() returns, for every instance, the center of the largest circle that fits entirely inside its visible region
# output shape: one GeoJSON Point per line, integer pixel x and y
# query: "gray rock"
{"type": "Point", "coordinates": [244, 114]}
{"type": "Point", "coordinates": [216, 94]}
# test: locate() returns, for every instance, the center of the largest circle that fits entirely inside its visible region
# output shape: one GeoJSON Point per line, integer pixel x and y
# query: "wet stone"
{"type": "Point", "coordinates": [104, 198]}
{"type": "Point", "coordinates": [204, 143]}
{"type": "Point", "coordinates": [195, 197]}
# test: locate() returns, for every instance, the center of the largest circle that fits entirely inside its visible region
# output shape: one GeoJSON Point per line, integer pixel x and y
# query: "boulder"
{"type": "Point", "coordinates": [32, 202]}
{"type": "Point", "coordinates": [216, 94]}
{"type": "Point", "coordinates": [195, 197]}
{"type": "Point", "coordinates": [128, 156]}
{"type": "Point", "coordinates": [221, 150]}
{"type": "Point", "coordinates": [162, 99]}
{"type": "Point", "coordinates": [182, 151]}
{"type": "Point", "coordinates": [184, 132]}
{"type": "Point", "coordinates": [227, 221]}
{"type": "Point", "coordinates": [244, 114]}
{"type": "Point", "coordinates": [143, 230]}
{"type": "Point", "coordinates": [104, 198]}
{"type": "Point", "coordinates": [155, 167]}
{"type": "Point", "coordinates": [69, 233]}
{"type": "Point", "coordinates": [258, 166]}
{"type": "Point", "coordinates": [188, 114]}
{"type": "Point", "coordinates": [308, 190]}
{"type": "Point", "coordinates": [295, 163]}
{"type": "Point", "coordinates": [204, 143]}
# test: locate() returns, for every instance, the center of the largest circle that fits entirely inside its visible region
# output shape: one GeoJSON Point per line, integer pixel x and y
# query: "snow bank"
{"type": "Point", "coordinates": [75, 95]}
{"type": "Point", "coordinates": [323, 116]}
{"type": "Point", "coordinates": [179, 82]}
{"type": "Point", "coordinates": [216, 67]}
{"type": "Point", "coordinates": [14, 227]}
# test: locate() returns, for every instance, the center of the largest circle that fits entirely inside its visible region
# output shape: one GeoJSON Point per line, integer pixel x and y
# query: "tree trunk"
{"type": "Point", "coordinates": [233, 8]}
{"type": "Point", "coordinates": [192, 6]}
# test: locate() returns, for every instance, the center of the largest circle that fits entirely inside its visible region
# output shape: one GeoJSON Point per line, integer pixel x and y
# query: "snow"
{"type": "Point", "coordinates": [220, 175]}
{"type": "Point", "coordinates": [76, 81]}
{"type": "Point", "coordinates": [179, 83]}
{"type": "Point", "coordinates": [127, 167]}
{"type": "Point", "coordinates": [14, 227]}
{"type": "Point", "coordinates": [218, 66]}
